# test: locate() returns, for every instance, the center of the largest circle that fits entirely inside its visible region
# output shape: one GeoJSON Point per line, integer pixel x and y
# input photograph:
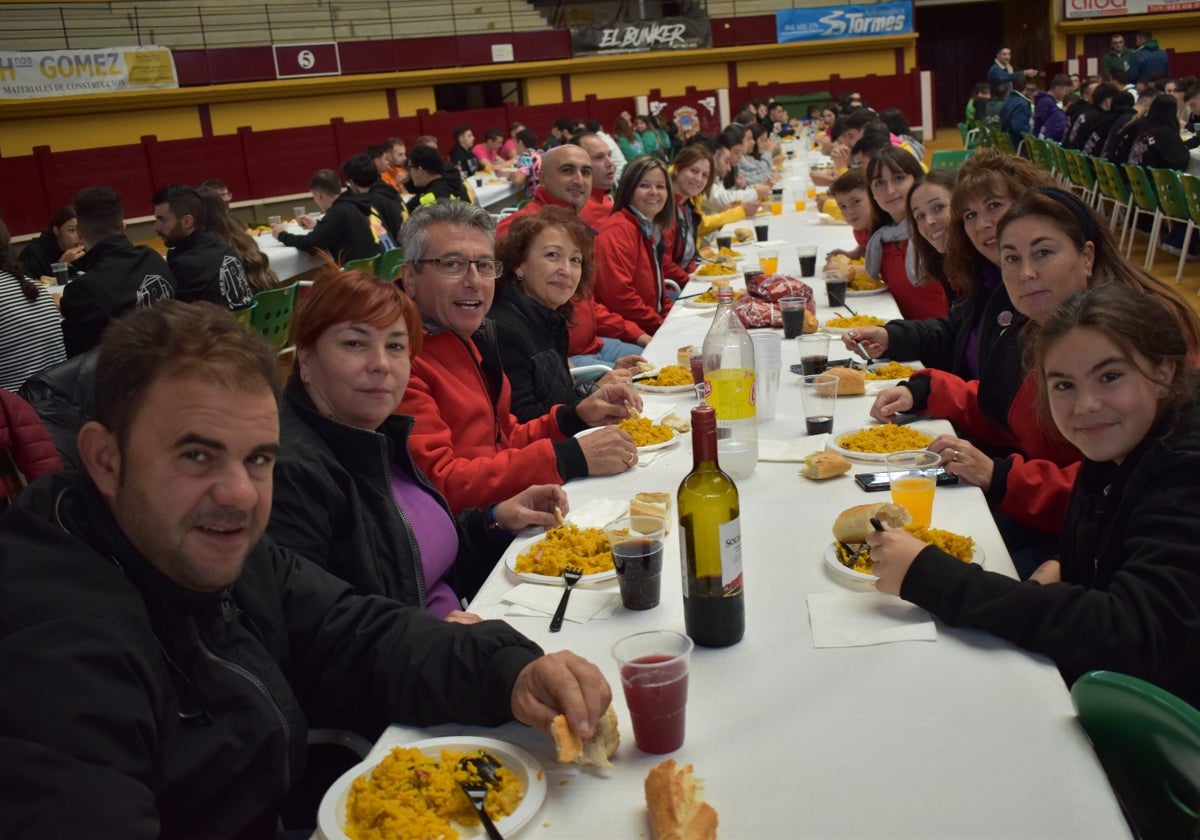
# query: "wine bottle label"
{"type": "Point", "coordinates": [731, 554]}
{"type": "Point", "coordinates": [730, 392]}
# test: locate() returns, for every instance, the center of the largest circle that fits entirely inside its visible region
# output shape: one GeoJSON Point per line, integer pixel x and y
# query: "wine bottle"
{"type": "Point", "coordinates": [710, 542]}
{"type": "Point", "coordinates": [729, 387]}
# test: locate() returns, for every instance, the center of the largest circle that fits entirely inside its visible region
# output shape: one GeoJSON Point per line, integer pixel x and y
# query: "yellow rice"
{"type": "Point", "coordinates": [646, 432]}
{"type": "Point", "coordinates": [865, 283]}
{"type": "Point", "coordinates": [847, 322]}
{"type": "Point", "coordinates": [568, 545]}
{"type": "Point", "coordinates": [669, 375]}
{"type": "Point", "coordinates": [884, 438]}
{"type": "Point", "coordinates": [411, 795]}
{"type": "Point", "coordinates": [890, 370]}
{"type": "Point", "coordinates": [858, 557]}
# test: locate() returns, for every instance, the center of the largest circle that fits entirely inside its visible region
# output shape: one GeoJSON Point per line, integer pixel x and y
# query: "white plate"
{"type": "Point", "coordinates": [641, 385]}
{"type": "Point", "coordinates": [864, 456]}
{"type": "Point", "coordinates": [866, 293]}
{"type": "Point", "coordinates": [692, 303]}
{"type": "Point", "coordinates": [331, 816]}
{"type": "Point", "coordinates": [654, 447]}
{"type": "Point", "coordinates": [840, 330]}
{"type": "Point", "coordinates": [714, 278]}
{"type": "Point", "coordinates": [831, 560]}
{"type": "Point", "coordinates": [518, 545]}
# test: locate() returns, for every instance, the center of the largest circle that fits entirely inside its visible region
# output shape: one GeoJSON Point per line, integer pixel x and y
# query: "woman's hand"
{"type": "Point", "coordinates": [629, 362]}
{"type": "Point", "coordinates": [751, 208]}
{"type": "Point", "coordinates": [840, 155]}
{"type": "Point", "coordinates": [874, 340]}
{"type": "Point", "coordinates": [962, 459]}
{"type": "Point", "coordinates": [460, 617]}
{"type": "Point", "coordinates": [608, 451]}
{"type": "Point", "coordinates": [608, 405]}
{"type": "Point", "coordinates": [72, 254]}
{"type": "Point", "coordinates": [1048, 572]}
{"type": "Point", "coordinates": [618, 376]}
{"type": "Point", "coordinates": [890, 402]}
{"type": "Point", "coordinates": [892, 553]}
{"type": "Point", "coordinates": [532, 506]}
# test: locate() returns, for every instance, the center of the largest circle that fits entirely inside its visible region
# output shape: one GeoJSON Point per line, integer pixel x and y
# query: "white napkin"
{"type": "Point", "coordinates": [585, 604]}
{"type": "Point", "coordinates": [790, 450]}
{"type": "Point", "coordinates": [853, 619]}
{"type": "Point", "coordinates": [597, 513]}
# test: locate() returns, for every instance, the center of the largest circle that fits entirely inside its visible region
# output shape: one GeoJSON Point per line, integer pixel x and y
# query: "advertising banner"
{"type": "Point", "coordinates": [822, 23]}
{"type": "Point", "coordinates": [31, 75]}
{"type": "Point", "coordinates": [688, 33]}
{"type": "Point", "coordinates": [1110, 8]}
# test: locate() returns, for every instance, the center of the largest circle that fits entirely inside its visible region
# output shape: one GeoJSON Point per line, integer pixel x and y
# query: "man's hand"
{"type": "Point", "coordinates": [532, 506]}
{"type": "Point", "coordinates": [608, 451]}
{"type": "Point", "coordinates": [890, 402]}
{"type": "Point", "coordinates": [561, 683]}
{"type": "Point", "coordinates": [892, 553]}
{"type": "Point", "coordinates": [608, 405]}
{"type": "Point", "coordinates": [874, 340]}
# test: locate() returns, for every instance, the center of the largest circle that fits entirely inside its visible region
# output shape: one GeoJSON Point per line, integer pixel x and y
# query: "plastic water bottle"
{"type": "Point", "coordinates": [729, 387]}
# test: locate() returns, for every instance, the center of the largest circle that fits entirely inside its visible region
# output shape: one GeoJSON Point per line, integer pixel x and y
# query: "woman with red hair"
{"type": "Point", "coordinates": [347, 493]}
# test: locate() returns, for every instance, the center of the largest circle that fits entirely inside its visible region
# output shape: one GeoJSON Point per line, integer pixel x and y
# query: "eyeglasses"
{"type": "Point", "coordinates": [455, 268]}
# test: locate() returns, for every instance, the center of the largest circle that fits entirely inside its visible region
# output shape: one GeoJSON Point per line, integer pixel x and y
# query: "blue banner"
{"type": "Point", "coordinates": [850, 21]}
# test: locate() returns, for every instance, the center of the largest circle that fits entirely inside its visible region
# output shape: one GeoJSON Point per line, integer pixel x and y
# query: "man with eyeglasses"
{"type": "Point", "coordinates": [465, 439]}
{"type": "Point", "coordinates": [1117, 57]}
{"type": "Point", "coordinates": [566, 181]}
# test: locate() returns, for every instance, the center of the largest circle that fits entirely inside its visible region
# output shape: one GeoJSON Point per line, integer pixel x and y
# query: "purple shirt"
{"type": "Point", "coordinates": [989, 276]}
{"type": "Point", "coordinates": [437, 540]}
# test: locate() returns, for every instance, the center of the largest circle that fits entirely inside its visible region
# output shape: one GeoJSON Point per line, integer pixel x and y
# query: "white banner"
{"type": "Point", "coordinates": [30, 75]}
{"type": "Point", "coordinates": [1109, 8]}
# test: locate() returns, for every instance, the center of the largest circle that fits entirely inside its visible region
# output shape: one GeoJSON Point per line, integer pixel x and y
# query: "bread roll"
{"type": "Point", "coordinates": [853, 524]}
{"type": "Point", "coordinates": [676, 803]}
{"type": "Point", "coordinates": [851, 381]}
{"type": "Point", "coordinates": [811, 324]}
{"type": "Point", "coordinates": [825, 464]}
{"type": "Point", "coordinates": [683, 355]}
{"type": "Point", "coordinates": [652, 504]}
{"type": "Point", "coordinates": [743, 234]}
{"type": "Point", "coordinates": [597, 750]}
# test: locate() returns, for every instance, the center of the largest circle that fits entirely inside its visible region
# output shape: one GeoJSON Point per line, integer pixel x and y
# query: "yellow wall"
{"type": "Point", "coordinates": [670, 81]}
{"type": "Point", "coordinates": [803, 68]}
{"type": "Point", "coordinates": [91, 131]}
{"type": "Point", "coordinates": [265, 114]}
{"type": "Point", "coordinates": [411, 100]}
{"type": "Point", "coordinates": [544, 90]}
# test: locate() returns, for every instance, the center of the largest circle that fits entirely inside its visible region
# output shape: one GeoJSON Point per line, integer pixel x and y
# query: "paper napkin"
{"type": "Point", "coordinates": [795, 449]}
{"type": "Point", "coordinates": [854, 619]}
{"type": "Point", "coordinates": [585, 604]}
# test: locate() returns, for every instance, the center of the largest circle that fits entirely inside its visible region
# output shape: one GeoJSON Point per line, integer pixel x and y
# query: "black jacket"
{"type": "Point", "coordinates": [1099, 129]}
{"type": "Point", "coordinates": [344, 231]}
{"type": "Point", "coordinates": [533, 348]}
{"type": "Point", "coordinates": [1130, 596]}
{"type": "Point", "coordinates": [1159, 148]}
{"type": "Point", "coordinates": [133, 708]}
{"type": "Point", "coordinates": [63, 397]}
{"type": "Point", "coordinates": [464, 160]}
{"type": "Point", "coordinates": [206, 268]}
{"type": "Point", "coordinates": [39, 254]}
{"type": "Point", "coordinates": [1083, 118]}
{"type": "Point", "coordinates": [449, 186]}
{"type": "Point", "coordinates": [386, 202]}
{"type": "Point", "coordinates": [333, 502]}
{"type": "Point", "coordinates": [118, 277]}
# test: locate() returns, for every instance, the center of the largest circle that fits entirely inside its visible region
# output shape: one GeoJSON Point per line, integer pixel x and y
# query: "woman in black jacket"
{"type": "Point", "coordinates": [347, 494]}
{"type": "Point", "coordinates": [59, 242]}
{"type": "Point", "coordinates": [548, 265]}
{"type": "Point", "coordinates": [1125, 592]}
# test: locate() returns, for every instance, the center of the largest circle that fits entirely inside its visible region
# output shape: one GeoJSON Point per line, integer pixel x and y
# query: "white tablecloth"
{"type": "Point", "coordinates": [286, 261]}
{"type": "Point", "coordinates": [1194, 163]}
{"type": "Point", "coordinates": [967, 736]}
{"type": "Point", "coordinates": [497, 193]}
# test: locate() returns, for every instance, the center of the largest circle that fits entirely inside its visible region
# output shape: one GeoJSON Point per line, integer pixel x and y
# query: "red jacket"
{"type": "Point", "coordinates": [466, 440]}
{"type": "Point", "coordinates": [541, 198]}
{"type": "Point", "coordinates": [1032, 485]}
{"type": "Point", "coordinates": [592, 321]}
{"type": "Point", "coordinates": [597, 208]}
{"type": "Point", "coordinates": [916, 302]}
{"type": "Point", "coordinates": [626, 276]}
{"type": "Point", "coordinates": [23, 435]}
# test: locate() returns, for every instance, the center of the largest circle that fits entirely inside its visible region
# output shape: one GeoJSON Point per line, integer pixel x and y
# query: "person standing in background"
{"type": "Point", "coordinates": [1147, 60]}
{"type": "Point", "coordinates": [1002, 72]}
{"type": "Point", "coordinates": [1117, 57]}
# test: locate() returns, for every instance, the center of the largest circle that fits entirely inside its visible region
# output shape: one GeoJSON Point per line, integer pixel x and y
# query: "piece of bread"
{"type": "Point", "coordinates": [837, 261]}
{"type": "Point", "coordinates": [644, 367]}
{"type": "Point", "coordinates": [853, 524]}
{"type": "Point", "coordinates": [596, 750]}
{"type": "Point", "coordinates": [673, 421]}
{"type": "Point", "coordinates": [825, 464]}
{"type": "Point", "coordinates": [851, 381]}
{"type": "Point", "coordinates": [811, 324]}
{"type": "Point", "coordinates": [675, 799]}
{"type": "Point", "coordinates": [683, 355]}
{"type": "Point", "coordinates": [652, 504]}
{"type": "Point", "coordinates": [743, 234]}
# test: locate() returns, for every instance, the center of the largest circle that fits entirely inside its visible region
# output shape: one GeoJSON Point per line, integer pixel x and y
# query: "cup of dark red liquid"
{"type": "Point", "coordinates": [814, 353]}
{"type": "Point", "coordinates": [835, 287]}
{"type": "Point", "coordinates": [637, 550]}
{"type": "Point", "coordinates": [792, 309]}
{"type": "Point", "coordinates": [807, 255]}
{"type": "Point", "coordinates": [819, 394]}
{"type": "Point", "coordinates": [654, 675]}
{"type": "Point", "coordinates": [696, 365]}
{"type": "Point", "coordinates": [724, 241]}
{"type": "Point", "coordinates": [761, 231]}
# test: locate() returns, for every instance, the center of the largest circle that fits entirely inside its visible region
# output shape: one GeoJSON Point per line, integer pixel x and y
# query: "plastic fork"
{"type": "Point", "coordinates": [477, 793]}
{"type": "Point", "coordinates": [571, 576]}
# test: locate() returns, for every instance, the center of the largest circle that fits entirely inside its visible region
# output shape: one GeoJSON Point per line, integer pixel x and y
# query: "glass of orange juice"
{"type": "Point", "coordinates": [769, 260]}
{"type": "Point", "coordinates": [801, 205]}
{"type": "Point", "coordinates": [913, 478]}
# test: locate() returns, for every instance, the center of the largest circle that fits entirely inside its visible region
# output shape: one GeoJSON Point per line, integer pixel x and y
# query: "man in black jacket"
{"type": "Point", "coordinates": [362, 178]}
{"type": "Point", "coordinates": [431, 180]}
{"type": "Point", "coordinates": [203, 265]}
{"type": "Point", "coordinates": [345, 229]}
{"type": "Point", "coordinates": [163, 659]}
{"type": "Point", "coordinates": [118, 275]}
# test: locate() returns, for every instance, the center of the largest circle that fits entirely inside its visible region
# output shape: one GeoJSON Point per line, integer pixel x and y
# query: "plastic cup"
{"type": "Point", "coordinates": [60, 272]}
{"type": "Point", "coordinates": [724, 241]}
{"type": "Point", "coordinates": [274, 220]}
{"type": "Point", "coordinates": [814, 352]}
{"type": "Point", "coordinates": [913, 478]}
{"type": "Point", "coordinates": [654, 675]}
{"type": "Point", "coordinates": [801, 205]}
{"type": "Point", "coordinates": [769, 260]}
{"type": "Point", "coordinates": [761, 231]}
{"type": "Point", "coordinates": [836, 283]}
{"type": "Point", "coordinates": [479, 182]}
{"type": "Point", "coordinates": [807, 255]}
{"type": "Point", "coordinates": [768, 361]}
{"type": "Point", "coordinates": [637, 549]}
{"type": "Point", "coordinates": [819, 395]}
{"type": "Point", "coordinates": [776, 207]}
{"type": "Point", "coordinates": [792, 309]}
{"type": "Point", "coordinates": [750, 272]}
{"type": "Point", "coordinates": [298, 211]}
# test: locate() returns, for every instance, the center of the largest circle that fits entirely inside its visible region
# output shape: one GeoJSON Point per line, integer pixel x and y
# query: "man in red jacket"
{"type": "Point", "coordinates": [599, 205]}
{"type": "Point", "coordinates": [566, 181]}
{"type": "Point", "coordinates": [466, 440]}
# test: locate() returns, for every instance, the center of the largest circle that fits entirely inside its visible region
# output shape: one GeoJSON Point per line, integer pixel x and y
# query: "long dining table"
{"type": "Point", "coordinates": [966, 736]}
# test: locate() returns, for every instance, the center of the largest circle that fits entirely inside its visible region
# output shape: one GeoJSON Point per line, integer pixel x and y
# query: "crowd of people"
{"type": "Point", "coordinates": [323, 536]}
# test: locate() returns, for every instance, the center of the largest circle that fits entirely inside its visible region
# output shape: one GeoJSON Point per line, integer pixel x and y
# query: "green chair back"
{"type": "Point", "coordinates": [1191, 191]}
{"type": "Point", "coordinates": [271, 314]}
{"type": "Point", "coordinates": [1001, 140]}
{"type": "Point", "coordinates": [1171, 199]}
{"type": "Point", "coordinates": [1148, 741]}
{"type": "Point", "coordinates": [367, 264]}
{"type": "Point", "coordinates": [1035, 148]}
{"type": "Point", "coordinates": [390, 262]}
{"type": "Point", "coordinates": [1083, 173]}
{"type": "Point", "coordinates": [1112, 185]}
{"type": "Point", "coordinates": [1058, 157]}
{"type": "Point", "coordinates": [950, 158]}
{"type": "Point", "coordinates": [245, 314]}
{"type": "Point", "coordinates": [962, 132]}
{"type": "Point", "coordinates": [1144, 195]}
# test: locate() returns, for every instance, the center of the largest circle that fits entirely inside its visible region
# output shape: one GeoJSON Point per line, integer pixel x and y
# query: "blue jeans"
{"type": "Point", "coordinates": [611, 350]}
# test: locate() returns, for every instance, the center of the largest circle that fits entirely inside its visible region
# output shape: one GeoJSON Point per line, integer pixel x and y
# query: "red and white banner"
{"type": "Point", "coordinates": [1112, 8]}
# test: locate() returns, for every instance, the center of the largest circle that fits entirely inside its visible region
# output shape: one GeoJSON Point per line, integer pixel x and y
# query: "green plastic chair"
{"type": "Point", "coordinates": [367, 264]}
{"type": "Point", "coordinates": [1191, 189]}
{"type": "Point", "coordinates": [1083, 176]}
{"type": "Point", "coordinates": [1173, 207]}
{"type": "Point", "coordinates": [1036, 149]}
{"type": "Point", "coordinates": [1061, 167]}
{"type": "Point", "coordinates": [1145, 201]}
{"type": "Point", "coordinates": [1001, 140]}
{"type": "Point", "coordinates": [1113, 188]}
{"type": "Point", "coordinates": [390, 262]}
{"type": "Point", "coordinates": [1148, 741]}
{"type": "Point", "coordinates": [950, 158]}
{"type": "Point", "coordinates": [245, 314]}
{"type": "Point", "coordinates": [271, 314]}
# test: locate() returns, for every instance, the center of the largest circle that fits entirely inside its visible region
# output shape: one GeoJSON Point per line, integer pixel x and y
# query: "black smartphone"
{"type": "Point", "coordinates": [874, 482]}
